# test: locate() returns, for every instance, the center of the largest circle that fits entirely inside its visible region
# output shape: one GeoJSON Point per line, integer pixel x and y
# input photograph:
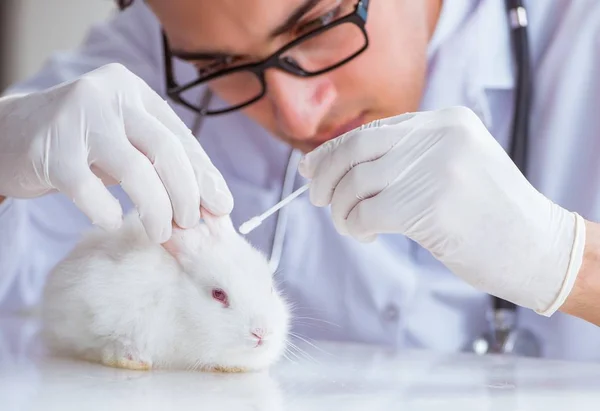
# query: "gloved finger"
{"type": "Point", "coordinates": [369, 182]}
{"type": "Point", "coordinates": [73, 177]}
{"type": "Point", "coordinates": [140, 181]}
{"type": "Point", "coordinates": [364, 181]}
{"type": "Point", "coordinates": [105, 178]}
{"type": "Point", "coordinates": [362, 222]}
{"type": "Point", "coordinates": [170, 161]}
{"type": "Point", "coordinates": [312, 160]}
{"type": "Point", "coordinates": [353, 149]}
{"type": "Point", "coordinates": [215, 196]}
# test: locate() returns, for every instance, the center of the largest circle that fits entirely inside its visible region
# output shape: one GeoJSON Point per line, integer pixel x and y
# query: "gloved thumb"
{"type": "Point", "coordinates": [310, 161]}
{"type": "Point", "coordinates": [90, 195]}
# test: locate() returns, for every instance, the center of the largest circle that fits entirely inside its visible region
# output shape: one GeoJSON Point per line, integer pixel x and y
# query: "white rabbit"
{"type": "Point", "coordinates": [204, 300]}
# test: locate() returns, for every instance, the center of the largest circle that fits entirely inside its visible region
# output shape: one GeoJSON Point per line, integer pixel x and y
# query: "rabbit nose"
{"type": "Point", "coordinates": [258, 333]}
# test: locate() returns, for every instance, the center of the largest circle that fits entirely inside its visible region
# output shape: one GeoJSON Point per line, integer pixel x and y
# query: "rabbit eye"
{"type": "Point", "coordinates": [220, 296]}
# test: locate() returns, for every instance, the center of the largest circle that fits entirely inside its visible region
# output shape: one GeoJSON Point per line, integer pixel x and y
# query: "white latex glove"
{"type": "Point", "coordinates": [442, 180]}
{"type": "Point", "coordinates": [109, 124]}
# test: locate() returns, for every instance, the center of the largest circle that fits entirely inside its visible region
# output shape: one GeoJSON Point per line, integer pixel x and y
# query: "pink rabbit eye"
{"type": "Point", "coordinates": [220, 296]}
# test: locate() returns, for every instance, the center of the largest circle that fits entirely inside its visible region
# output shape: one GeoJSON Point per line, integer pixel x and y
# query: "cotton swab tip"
{"type": "Point", "coordinates": [254, 222]}
{"type": "Point", "coordinates": [250, 225]}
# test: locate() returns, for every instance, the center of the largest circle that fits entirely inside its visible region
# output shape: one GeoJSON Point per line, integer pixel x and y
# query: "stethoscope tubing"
{"type": "Point", "coordinates": [518, 149]}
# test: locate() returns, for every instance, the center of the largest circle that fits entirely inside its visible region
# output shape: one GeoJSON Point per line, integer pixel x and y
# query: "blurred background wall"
{"type": "Point", "coordinates": [30, 30]}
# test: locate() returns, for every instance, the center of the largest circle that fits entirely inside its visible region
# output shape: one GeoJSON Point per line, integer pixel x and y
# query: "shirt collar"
{"type": "Point", "coordinates": [497, 58]}
{"type": "Point", "coordinates": [452, 15]}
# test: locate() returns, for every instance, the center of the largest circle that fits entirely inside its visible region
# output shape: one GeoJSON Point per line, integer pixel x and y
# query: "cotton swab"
{"type": "Point", "coordinates": [254, 222]}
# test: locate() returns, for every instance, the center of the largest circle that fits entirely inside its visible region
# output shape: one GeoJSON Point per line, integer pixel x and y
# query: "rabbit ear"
{"type": "Point", "coordinates": [186, 241]}
{"type": "Point", "coordinates": [217, 226]}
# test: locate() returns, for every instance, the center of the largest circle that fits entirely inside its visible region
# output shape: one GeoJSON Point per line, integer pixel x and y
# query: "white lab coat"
{"type": "Point", "coordinates": [391, 291]}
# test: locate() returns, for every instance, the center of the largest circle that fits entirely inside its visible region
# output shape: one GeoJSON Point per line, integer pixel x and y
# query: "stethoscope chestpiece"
{"type": "Point", "coordinates": [504, 337]}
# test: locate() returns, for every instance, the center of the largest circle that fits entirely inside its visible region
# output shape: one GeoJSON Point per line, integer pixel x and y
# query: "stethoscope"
{"type": "Point", "coordinates": [503, 336]}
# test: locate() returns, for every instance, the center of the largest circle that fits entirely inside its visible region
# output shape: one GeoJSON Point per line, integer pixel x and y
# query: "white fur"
{"type": "Point", "coordinates": [121, 300]}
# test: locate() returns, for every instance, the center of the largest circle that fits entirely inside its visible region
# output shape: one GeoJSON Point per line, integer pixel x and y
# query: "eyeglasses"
{"type": "Point", "coordinates": [317, 52]}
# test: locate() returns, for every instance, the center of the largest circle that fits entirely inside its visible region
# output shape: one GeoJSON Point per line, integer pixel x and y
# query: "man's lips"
{"type": "Point", "coordinates": [344, 128]}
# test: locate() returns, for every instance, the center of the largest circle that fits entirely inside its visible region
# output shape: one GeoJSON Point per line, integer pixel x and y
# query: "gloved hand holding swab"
{"type": "Point", "coordinates": [254, 222]}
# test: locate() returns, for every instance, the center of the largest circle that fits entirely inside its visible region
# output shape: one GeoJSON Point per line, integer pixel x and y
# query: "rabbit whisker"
{"type": "Point", "coordinates": [306, 355]}
{"type": "Point", "coordinates": [308, 342]}
{"type": "Point", "coordinates": [317, 320]}
{"type": "Point", "coordinates": [285, 355]}
{"type": "Point", "coordinates": [291, 352]}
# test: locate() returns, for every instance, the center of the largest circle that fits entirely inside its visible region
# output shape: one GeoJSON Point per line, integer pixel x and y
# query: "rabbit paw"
{"type": "Point", "coordinates": [125, 356]}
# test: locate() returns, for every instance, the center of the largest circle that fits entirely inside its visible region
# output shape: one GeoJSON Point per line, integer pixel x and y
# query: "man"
{"type": "Point", "coordinates": [414, 187]}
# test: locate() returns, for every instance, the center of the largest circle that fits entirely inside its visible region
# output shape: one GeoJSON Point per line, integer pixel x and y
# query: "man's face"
{"type": "Point", "coordinates": [385, 80]}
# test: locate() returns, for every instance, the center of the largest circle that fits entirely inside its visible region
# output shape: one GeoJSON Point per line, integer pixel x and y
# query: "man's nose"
{"type": "Point", "coordinates": [299, 103]}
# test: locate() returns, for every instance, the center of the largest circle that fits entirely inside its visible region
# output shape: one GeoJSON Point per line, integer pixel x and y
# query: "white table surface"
{"type": "Point", "coordinates": [329, 377]}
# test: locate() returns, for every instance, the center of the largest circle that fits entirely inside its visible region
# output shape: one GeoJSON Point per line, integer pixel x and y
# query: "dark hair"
{"type": "Point", "coordinates": [123, 4]}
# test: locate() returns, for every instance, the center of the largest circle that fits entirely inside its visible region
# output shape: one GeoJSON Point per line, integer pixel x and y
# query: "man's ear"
{"type": "Point", "coordinates": [186, 241]}
{"type": "Point", "coordinates": [218, 227]}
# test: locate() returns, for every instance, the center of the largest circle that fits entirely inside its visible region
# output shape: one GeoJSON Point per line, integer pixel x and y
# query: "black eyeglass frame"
{"type": "Point", "coordinates": [357, 17]}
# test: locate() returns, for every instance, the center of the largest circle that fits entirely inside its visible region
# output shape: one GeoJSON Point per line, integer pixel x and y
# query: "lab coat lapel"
{"type": "Point", "coordinates": [477, 56]}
